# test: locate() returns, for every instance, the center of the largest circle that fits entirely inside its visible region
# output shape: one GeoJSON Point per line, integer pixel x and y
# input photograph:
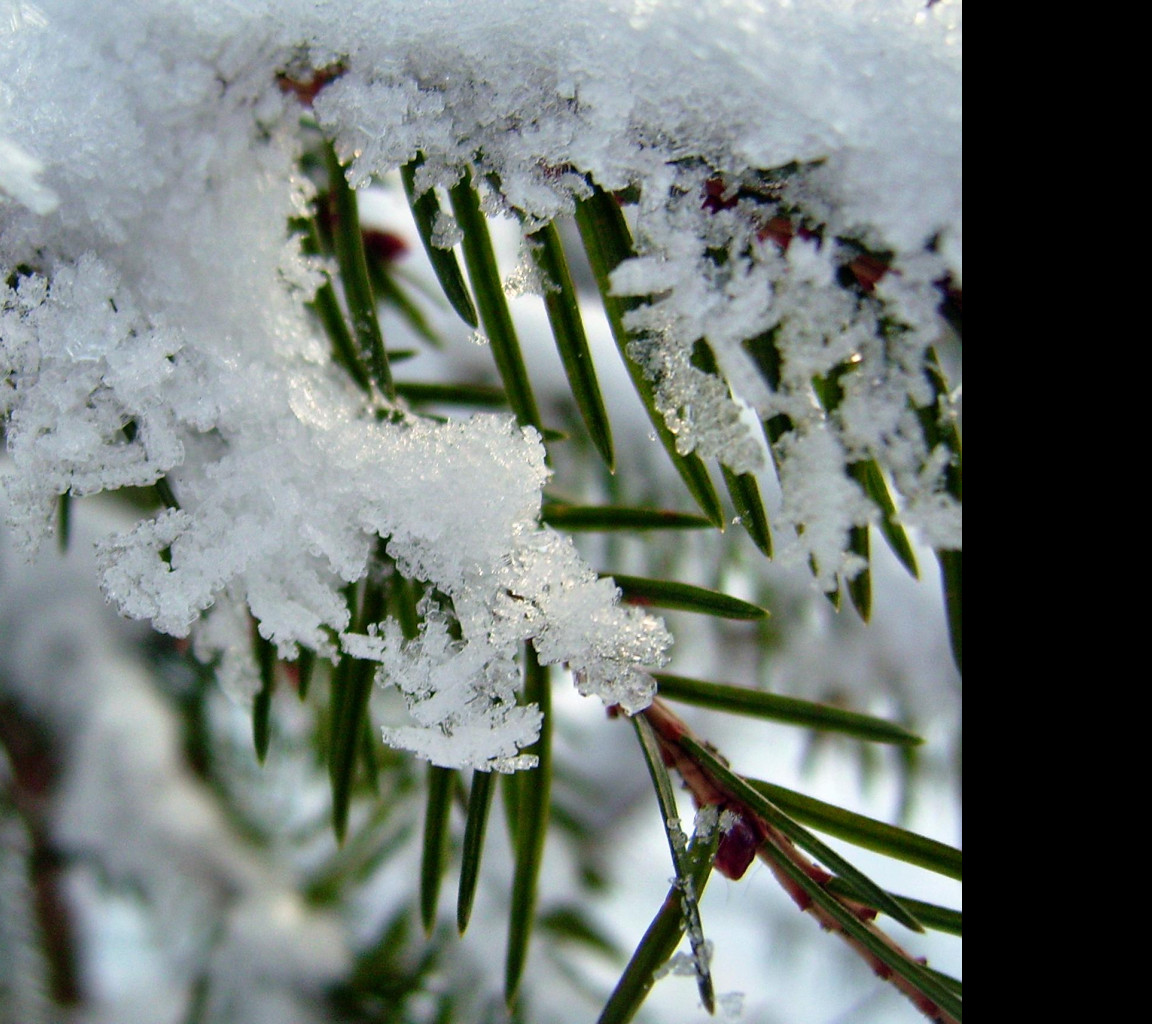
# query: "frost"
{"type": "Point", "coordinates": [685, 964]}
{"type": "Point", "coordinates": [728, 820]}
{"type": "Point", "coordinates": [707, 819]}
{"type": "Point", "coordinates": [87, 411]}
{"type": "Point", "coordinates": [153, 320]}
{"type": "Point", "coordinates": [462, 695]}
{"type": "Point", "coordinates": [446, 232]}
{"type": "Point", "coordinates": [225, 634]}
{"type": "Point", "coordinates": [526, 278]}
{"type": "Point", "coordinates": [812, 473]}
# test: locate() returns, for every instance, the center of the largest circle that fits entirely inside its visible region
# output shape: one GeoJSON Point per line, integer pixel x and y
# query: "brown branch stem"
{"type": "Point", "coordinates": [779, 852]}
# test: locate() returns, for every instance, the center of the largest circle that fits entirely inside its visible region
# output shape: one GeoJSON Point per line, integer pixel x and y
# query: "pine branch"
{"type": "Point", "coordinates": [800, 877]}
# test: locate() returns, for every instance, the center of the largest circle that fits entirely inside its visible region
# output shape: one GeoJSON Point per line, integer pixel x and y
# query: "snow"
{"type": "Point", "coordinates": [153, 321]}
{"type": "Point", "coordinates": [19, 178]}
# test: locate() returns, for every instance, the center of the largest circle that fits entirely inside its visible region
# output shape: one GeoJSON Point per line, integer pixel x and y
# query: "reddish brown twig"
{"type": "Point", "coordinates": [307, 85]}
{"type": "Point", "coordinates": [754, 836]}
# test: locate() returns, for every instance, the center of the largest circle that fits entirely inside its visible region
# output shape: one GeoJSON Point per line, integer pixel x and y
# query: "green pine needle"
{"type": "Point", "coordinates": [532, 828]}
{"type": "Point", "coordinates": [685, 597]}
{"type": "Point", "coordinates": [574, 518]}
{"type": "Point", "coordinates": [434, 860]}
{"type": "Point", "coordinates": [952, 569]}
{"type": "Point", "coordinates": [262, 704]}
{"type": "Point", "coordinates": [879, 836]}
{"type": "Point", "coordinates": [349, 245]}
{"type": "Point", "coordinates": [860, 585]}
{"type": "Point", "coordinates": [740, 700]}
{"type": "Point", "coordinates": [64, 521]}
{"type": "Point", "coordinates": [869, 475]}
{"type": "Point", "coordinates": [571, 342]}
{"type": "Point", "coordinates": [480, 395]}
{"type": "Point", "coordinates": [931, 915]}
{"type": "Point", "coordinates": [475, 829]}
{"type": "Point", "coordinates": [484, 274]}
{"type": "Point", "coordinates": [305, 666]}
{"type": "Point", "coordinates": [677, 844]}
{"type": "Point", "coordinates": [327, 308]}
{"type": "Point", "coordinates": [352, 683]}
{"type": "Point", "coordinates": [425, 212]}
{"type": "Point", "coordinates": [745, 495]}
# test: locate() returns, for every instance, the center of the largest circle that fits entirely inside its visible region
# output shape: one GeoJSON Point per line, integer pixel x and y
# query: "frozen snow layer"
{"type": "Point", "coordinates": [152, 300]}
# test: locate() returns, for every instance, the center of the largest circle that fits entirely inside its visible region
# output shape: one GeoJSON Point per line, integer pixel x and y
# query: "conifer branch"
{"type": "Point", "coordinates": [804, 881]}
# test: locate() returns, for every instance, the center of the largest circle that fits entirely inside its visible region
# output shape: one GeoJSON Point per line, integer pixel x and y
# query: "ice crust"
{"type": "Point", "coordinates": [153, 319]}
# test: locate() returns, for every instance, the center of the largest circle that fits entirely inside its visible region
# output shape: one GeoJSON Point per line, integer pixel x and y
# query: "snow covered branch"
{"type": "Point", "coordinates": [796, 175]}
